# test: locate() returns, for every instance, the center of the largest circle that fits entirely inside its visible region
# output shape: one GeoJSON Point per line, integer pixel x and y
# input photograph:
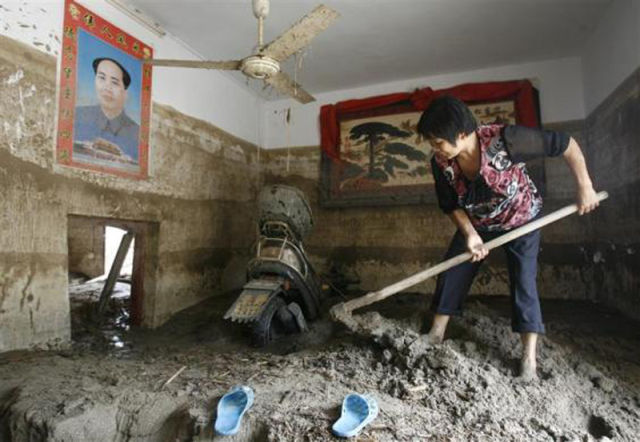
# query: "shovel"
{"type": "Point", "coordinates": [343, 312]}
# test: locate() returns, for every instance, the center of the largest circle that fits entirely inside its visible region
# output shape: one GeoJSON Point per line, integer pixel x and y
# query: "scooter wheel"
{"type": "Point", "coordinates": [269, 325]}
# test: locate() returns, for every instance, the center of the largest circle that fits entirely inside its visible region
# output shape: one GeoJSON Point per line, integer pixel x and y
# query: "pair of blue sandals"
{"type": "Point", "coordinates": [357, 411]}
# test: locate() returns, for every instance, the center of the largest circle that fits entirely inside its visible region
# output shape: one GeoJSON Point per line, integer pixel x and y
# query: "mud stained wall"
{"type": "Point", "coordinates": [382, 245]}
{"type": "Point", "coordinates": [613, 132]}
{"type": "Point", "coordinates": [201, 192]}
{"type": "Point", "coordinates": [86, 246]}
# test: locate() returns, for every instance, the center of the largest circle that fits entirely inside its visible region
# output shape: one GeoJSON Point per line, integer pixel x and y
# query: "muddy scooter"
{"type": "Point", "coordinates": [283, 291]}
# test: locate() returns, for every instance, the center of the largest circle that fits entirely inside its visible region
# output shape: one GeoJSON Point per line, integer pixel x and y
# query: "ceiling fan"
{"type": "Point", "coordinates": [264, 64]}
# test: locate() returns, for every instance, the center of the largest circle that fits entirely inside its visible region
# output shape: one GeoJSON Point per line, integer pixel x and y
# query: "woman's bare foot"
{"type": "Point", "coordinates": [527, 370]}
{"type": "Point", "coordinates": [436, 333]}
{"type": "Point", "coordinates": [434, 338]}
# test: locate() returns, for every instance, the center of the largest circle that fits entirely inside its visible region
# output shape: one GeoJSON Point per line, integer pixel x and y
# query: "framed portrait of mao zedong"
{"type": "Point", "coordinates": [105, 97]}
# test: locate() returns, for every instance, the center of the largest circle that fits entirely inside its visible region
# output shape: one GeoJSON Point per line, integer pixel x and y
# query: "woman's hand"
{"type": "Point", "coordinates": [587, 200]}
{"type": "Point", "coordinates": [476, 247]}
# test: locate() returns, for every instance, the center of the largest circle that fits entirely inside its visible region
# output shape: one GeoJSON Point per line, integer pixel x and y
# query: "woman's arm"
{"type": "Point", "coordinates": [586, 200]}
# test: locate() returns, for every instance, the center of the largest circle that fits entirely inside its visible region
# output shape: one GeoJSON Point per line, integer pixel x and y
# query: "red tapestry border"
{"type": "Point", "coordinates": [520, 90]}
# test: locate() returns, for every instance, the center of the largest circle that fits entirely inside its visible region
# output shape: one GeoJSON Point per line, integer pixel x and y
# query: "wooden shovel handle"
{"type": "Point", "coordinates": [372, 297]}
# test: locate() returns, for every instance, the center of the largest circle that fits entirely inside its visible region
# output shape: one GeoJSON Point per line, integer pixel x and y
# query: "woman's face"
{"type": "Point", "coordinates": [443, 148]}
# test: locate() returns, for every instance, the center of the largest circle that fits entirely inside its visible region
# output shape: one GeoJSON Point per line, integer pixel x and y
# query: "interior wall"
{"type": "Point", "coordinates": [614, 155]}
{"type": "Point", "coordinates": [612, 53]}
{"type": "Point", "coordinates": [86, 246]}
{"type": "Point", "coordinates": [559, 82]}
{"type": "Point", "coordinates": [611, 71]}
{"type": "Point", "coordinates": [201, 195]}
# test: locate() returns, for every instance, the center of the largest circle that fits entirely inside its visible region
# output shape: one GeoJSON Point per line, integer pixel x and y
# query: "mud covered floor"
{"type": "Point", "coordinates": [110, 384]}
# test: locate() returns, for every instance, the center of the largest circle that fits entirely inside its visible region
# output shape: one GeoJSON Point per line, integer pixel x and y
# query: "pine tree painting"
{"type": "Point", "coordinates": [379, 153]}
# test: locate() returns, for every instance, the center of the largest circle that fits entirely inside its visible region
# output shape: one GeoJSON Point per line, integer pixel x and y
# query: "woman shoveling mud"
{"type": "Point", "coordinates": [483, 185]}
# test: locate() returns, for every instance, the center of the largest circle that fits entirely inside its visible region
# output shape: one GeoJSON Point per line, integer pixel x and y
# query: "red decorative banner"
{"type": "Point", "coordinates": [520, 91]}
{"type": "Point", "coordinates": [105, 97]}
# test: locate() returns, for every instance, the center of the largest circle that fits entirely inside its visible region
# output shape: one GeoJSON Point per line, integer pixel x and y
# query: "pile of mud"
{"type": "Point", "coordinates": [465, 389]}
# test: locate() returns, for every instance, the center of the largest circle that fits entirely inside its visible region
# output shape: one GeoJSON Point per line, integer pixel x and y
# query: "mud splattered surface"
{"type": "Point", "coordinates": [464, 389]}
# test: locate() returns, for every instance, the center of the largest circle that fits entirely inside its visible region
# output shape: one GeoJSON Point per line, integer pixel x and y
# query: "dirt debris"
{"type": "Point", "coordinates": [463, 389]}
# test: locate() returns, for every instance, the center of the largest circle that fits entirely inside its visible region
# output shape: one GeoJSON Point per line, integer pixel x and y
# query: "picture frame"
{"type": "Point", "coordinates": [104, 104]}
{"type": "Point", "coordinates": [372, 154]}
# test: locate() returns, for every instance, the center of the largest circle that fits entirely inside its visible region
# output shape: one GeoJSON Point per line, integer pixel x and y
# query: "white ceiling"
{"type": "Point", "coordinates": [376, 41]}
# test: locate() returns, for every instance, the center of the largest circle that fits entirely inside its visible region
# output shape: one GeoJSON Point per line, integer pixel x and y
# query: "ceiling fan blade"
{"type": "Point", "coordinates": [300, 34]}
{"type": "Point", "coordinates": [284, 84]}
{"type": "Point", "coordinates": [223, 65]}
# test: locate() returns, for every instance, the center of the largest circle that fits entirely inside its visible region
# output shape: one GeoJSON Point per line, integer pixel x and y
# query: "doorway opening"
{"type": "Point", "coordinates": [109, 267]}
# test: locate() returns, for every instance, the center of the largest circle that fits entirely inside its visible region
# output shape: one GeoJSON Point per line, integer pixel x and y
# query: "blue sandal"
{"type": "Point", "coordinates": [231, 408]}
{"type": "Point", "coordinates": [358, 410]}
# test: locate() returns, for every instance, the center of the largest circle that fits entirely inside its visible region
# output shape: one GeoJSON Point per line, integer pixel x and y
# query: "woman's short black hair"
{"type": "Point", "coordinates": [446, 118]}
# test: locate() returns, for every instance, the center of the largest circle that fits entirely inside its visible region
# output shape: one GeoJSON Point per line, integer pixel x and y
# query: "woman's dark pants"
{"type": "Point", "coordinates": [522, 262]}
